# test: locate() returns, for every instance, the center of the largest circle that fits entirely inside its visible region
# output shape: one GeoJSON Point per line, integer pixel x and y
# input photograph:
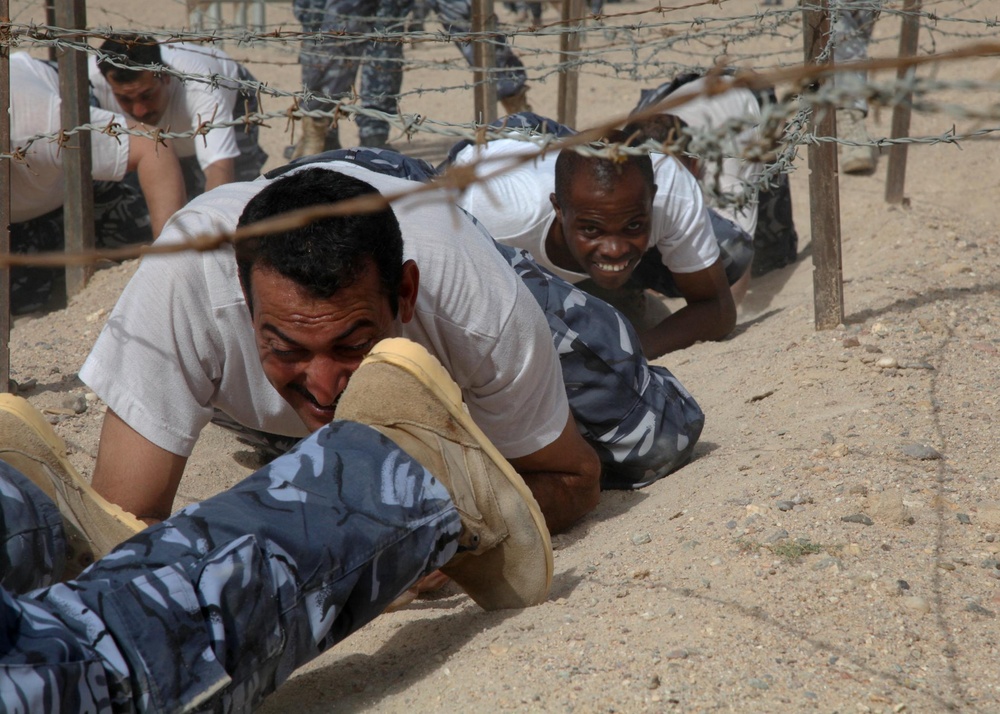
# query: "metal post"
{"type": "Point", "coordinates": [896, 176]}
{"type": "Point", "coordinates": [5, 199]}
{"type": "Point", "coordinates": [824, 192]}
{"type": "Point", "coordinates": [484, 57]}
{"type": "Point", "coordinates": [569, 48]}
{"type": "Point", "coordinates": [78, 207]}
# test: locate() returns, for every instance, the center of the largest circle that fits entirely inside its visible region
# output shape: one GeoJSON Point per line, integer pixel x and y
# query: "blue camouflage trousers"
{"type": "Point", "coordinates": [638, 417]}
{"type": "Point", "coordinates": [214, 608]}
{"type": "Point", "coordinates": [852, 32]}
{"type": "Point", "coordinates": [456, 17]}
{"type": "Point", "coordinates": [331, 55]}
{"type": "Point", "coordinates": [121, 217]}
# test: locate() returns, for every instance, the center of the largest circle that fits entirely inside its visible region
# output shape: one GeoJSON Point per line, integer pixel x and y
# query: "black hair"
{"type": "Point", "coordinates": [605, 171]}
{"type": "Point", "coordinates": [132, 50]}
{"type": "Point", "coordinates": [330, 253]}
{"type": "Point", "coordinates": [666, 129]}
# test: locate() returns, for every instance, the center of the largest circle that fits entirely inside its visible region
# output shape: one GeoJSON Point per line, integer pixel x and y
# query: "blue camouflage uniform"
{"type": "Point", "coordinates": [456, 16]}
{"type": "Point", "coordinates": [639, 418]}
{"type": "Point", "coordinates": [852, 32]}
{"type": "Point", "coordinates": [214, 608]}
{"type": "Point", "coordinates": [330, 60]}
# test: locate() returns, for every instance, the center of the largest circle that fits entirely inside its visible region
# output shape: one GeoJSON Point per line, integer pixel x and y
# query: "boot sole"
{"type": "Point", "coordinates": [413, 358]}
{"type": "Point", "coordinates": [84, 511]}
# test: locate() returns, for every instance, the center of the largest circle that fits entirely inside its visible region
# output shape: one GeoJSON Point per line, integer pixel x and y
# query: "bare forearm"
{"type": "Point", "coordinates": [700, 321]}
{"type": "Point", "coordinates": [160, 178]}
{"type": "Point", "coordinates": [219, 173]}
{"type": "Point", "coordinates": [562, 500]}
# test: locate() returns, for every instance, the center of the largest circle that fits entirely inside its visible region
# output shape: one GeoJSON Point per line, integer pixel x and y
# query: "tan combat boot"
{"type": "Point", "coordinates": [313, 140]}
{"type": "Point", "coordinates": [92, 525]}
{"type": "Point", "coordinates": [856, 157]}
{"type": "Point", "coordinates": [505, 555]}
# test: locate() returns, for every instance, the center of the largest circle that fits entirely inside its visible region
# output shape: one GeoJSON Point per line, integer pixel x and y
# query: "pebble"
{"type": "Point", "coordinates": [785, 505]}
{"type": "Point", "coordinates": [886, 363]}
{"type": "Point", "coordinates": [641, 538]}
{"type": "Point", "coordinates": [77, 403]}
{"type": "Point", "coordinates": [758, 683]}
{"type": "Point", "coordinates": [902, 586]}
{"type": "Point", "coordinates": [963, 518]}
{"type": "Point", "coordinates": [778, 535]}
{"type": "Point", "coordinates": [979, 609]}
{"type": "Point", "coordinates": [920, 451]}
{"type": "Point", "coordinates": [676, 654]}
{"type": "Point", "coordinates": [858, 518]}
{"type": "Point", "coordinates": [917, 604]}
{"type": "Point", "coordinates": [990, 537]}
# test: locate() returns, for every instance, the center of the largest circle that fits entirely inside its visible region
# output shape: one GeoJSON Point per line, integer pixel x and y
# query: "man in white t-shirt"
{"type": "Point", "coordinates": [204, 86]}
{"type": "Point", "coordinates": [182, 341]}
{"type": "Point", "coordinates": [607, 221]}
{"type": "Point", "coordinates": [716, 132]}
{"type": "Point", "coordinates": [38, 181]}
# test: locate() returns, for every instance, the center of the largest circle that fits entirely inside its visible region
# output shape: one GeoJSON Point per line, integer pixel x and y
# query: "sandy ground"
{"type": "Point", "coordinates": [833, 546]}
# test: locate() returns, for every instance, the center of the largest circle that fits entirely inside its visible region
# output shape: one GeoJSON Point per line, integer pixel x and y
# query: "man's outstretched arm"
{"type": "Point", "coordinates": [160, 179]}
{"type": "Point", "coordinates": [565, 478]}
{"type": "Point", "coordinates": [135, 473]}
{"type": "Point", "coordinates": [710, 313]}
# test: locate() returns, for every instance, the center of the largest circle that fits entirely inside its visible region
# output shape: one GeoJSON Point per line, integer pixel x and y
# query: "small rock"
{"type": "Point", "coordinates": [778, 535]}
{"type": "Point", "coordinates": [902, 586]}
{"type": "Point", "coordinates": [653, 682]}
{"type": "Point", "coordinates": [990, 537]}
{"type": "Point", "coordinates": [828, 438]}
{"type": "Point", "coordinates": [730, 525]}
{"type": "Point", "coordinates": [851, 342]}
{"type": "Point", "coordinates": [946, 565]}
{"type": "Point", "coordinates": [979, 609]}
{"type": "Point", "coordinates": [917, 604]}
{"type": "Point", "coordinates": [873, 350]}
{"type": "Point", "coordinates": [785, 505]}
{"type": "Point", "coordinates": [888, 508]}
{"type": "Point", "coordinates": [964, 519]}
{"type": "Point", "coordinates": [858, 518]}
{"type": "Point", "coordinates": [77, 403]}
{"type": "Point", "coordinates": [758, 683]}
{"type": "Point", "coordinates": [920, 451]}
{"type": "Point", "coordinates": [641, 538]}
{"type": "Point", "coordinates": [676, 654]}
{"type": "Point", "coordinates": [886, 363]}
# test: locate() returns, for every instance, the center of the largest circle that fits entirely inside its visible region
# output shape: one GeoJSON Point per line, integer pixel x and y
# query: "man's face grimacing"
{"type": "Point", "coordinates": [309, 347]}
{"type": "Point", "coordinates": [144, 98]}
{"type": "Point", "coordinates": [606, 223]}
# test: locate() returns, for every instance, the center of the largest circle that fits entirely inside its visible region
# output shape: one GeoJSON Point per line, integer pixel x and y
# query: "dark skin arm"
{"type": "Point", "coordinates": [564, 477]}
{"type": "Point", "coordinates": [710, 313]}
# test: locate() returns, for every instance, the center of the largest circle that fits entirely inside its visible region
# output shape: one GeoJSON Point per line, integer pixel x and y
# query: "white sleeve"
{"type": "Point", "coordinates": [110, 153]}
{"type": "Point", "coordinates": [156, 362]}
{"type": "Point", "coordinates": [682, 229]}
{"type": "Point", "coordinates": [215, 105]}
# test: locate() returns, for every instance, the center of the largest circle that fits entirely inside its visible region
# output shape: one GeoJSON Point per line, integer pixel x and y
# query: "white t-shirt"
{"type": "Point", "coordinates": [38, 183]}
{"type": "Point", "coordinates": [738, 177]}
{"type": "Point", "coordinates": [205, 97]}
{"type": "Point", "coordinates": [515, 208]}
{"type": "Point", "coordinates": [180, 340]}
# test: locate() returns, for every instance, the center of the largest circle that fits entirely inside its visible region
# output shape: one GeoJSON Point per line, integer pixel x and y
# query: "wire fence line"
{"type": "Point", "coordinates": [627, 52]}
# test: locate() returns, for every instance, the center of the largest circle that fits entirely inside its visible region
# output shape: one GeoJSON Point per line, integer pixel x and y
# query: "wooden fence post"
{"type": "Point", "coordinates": [74, 88]}
{"type": "Point", "coordinates": [895, 178]}
{"type": "Point", "coordinates": [484, 59]}
{"type": "Point", "coordinates": [569, 49]}
{"type": "Point", "coordinates": [824, 192]}
{"type": "Point", "coordinates": [5, 203]}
